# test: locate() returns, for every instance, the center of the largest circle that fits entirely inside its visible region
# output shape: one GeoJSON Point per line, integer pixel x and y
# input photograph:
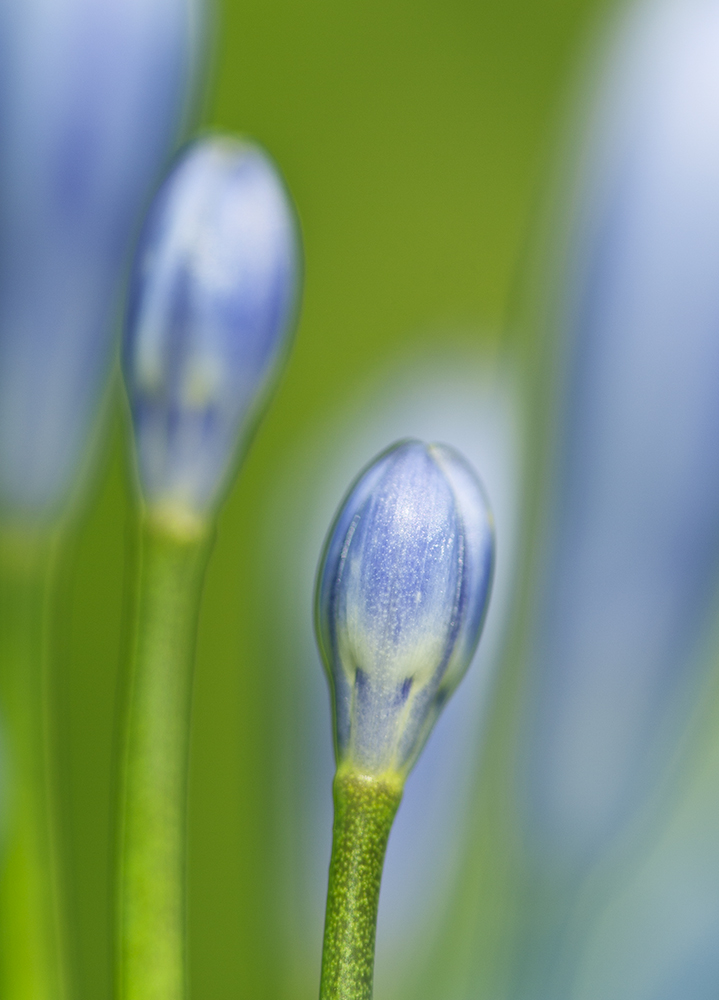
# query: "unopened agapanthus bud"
{"type": "Point", "coordinates": [401, 597]}
{"type": "Point", "coordinates": [213, 302]}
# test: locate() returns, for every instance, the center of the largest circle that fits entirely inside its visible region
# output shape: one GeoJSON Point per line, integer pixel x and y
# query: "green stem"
{"type": "Point", "coordinates": [365, 808]}
{"type": "Point", "coordinates": [31, 951]}
{"type": "Point", "coordinates": [152, 959]}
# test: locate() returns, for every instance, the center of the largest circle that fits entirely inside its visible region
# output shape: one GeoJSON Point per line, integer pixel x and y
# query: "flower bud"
{"type": "Point", "coordinates": [401, 596]}
{"type": "Point", "coordinates": [92, 96]}
{"type": "Point", "coordinates": [213, 300]}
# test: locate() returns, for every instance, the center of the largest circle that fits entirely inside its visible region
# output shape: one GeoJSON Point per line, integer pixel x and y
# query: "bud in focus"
{"type": "Point", "coordinates": [402, 593]}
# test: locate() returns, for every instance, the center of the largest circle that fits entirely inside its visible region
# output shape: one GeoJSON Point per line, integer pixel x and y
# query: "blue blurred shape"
{"type": "Point", "coordinates": [213, 301]}
{"type": "Point", "coordinates": [92, 96]}
{"type": "Point", "coordinates": [653, 937]}
{"type": "Point", "coordinates": [627, 586]}
{"type": "Point", "coordinates": [402, 594]}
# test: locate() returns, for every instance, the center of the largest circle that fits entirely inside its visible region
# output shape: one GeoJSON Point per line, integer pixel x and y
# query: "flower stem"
{"type": "Point", "coordinates": [365, 808]}
{"type": "Point", "coordinates": [152, 951]}
{"type": "Point", "coordinates": [31, 930]}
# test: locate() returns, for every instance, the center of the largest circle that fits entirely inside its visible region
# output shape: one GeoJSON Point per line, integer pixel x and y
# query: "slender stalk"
{"type": "Point", "coordinates": [152, 954]}
{"type": "Point", "coordinates": [31, 946]}
{"type": "Point", "coordinates": [365, 808]}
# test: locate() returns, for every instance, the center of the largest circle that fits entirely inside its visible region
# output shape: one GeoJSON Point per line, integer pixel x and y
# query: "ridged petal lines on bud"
{"type": "Point", "coordinates": [213, 301]}
{"type": "Point", "coordinates": [401, 597]}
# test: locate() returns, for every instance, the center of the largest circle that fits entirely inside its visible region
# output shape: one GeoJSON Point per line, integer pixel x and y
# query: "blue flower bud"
{"type": "Point", "coordinates": [213, 300]}
{"type": "Point", "coordinates": [92, 96]}
{"type": "Point", "coordinates": [401, 596]}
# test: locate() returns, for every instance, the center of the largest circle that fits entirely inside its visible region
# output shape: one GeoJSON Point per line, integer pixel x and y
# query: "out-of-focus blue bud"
{"type": "Point", "coordinates": [92, 95]}
{"type": "Point", "coordinates": [626, 594]}
{"type": "Point", "coordinates": [402, 592]}
{"type": "Point", "coordinates": [213, 301]}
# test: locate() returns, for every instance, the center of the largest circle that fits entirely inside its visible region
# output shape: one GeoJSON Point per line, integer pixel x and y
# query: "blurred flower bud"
{"type": "Point", "coordinates": [213, 302]}
{"type": "Point", "coordinates": [92, 95]}
{"type": "Point", "coordinates": [627, 592]}
{"type": "Point", "coordinates": [402, 592]}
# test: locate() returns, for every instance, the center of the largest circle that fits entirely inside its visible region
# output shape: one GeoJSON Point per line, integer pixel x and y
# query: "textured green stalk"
{"type": "Point", "coordinates": [152, 959]}
{"type": "Point", "coordinates": [31, 951]}
{"type": "Point", "coordinates": [365, 808]}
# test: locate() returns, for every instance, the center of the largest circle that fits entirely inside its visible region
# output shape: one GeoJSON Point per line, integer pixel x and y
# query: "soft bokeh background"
{"type": "Point", "coordinates": [416, 139]}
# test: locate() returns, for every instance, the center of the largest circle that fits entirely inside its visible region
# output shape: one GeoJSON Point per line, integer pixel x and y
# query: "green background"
{"type": "Point", "coordinates": [416, 139]}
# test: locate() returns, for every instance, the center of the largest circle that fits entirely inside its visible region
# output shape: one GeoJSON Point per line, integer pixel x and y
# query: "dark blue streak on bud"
{"type": "Point", "coordinates": [401, 597]}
